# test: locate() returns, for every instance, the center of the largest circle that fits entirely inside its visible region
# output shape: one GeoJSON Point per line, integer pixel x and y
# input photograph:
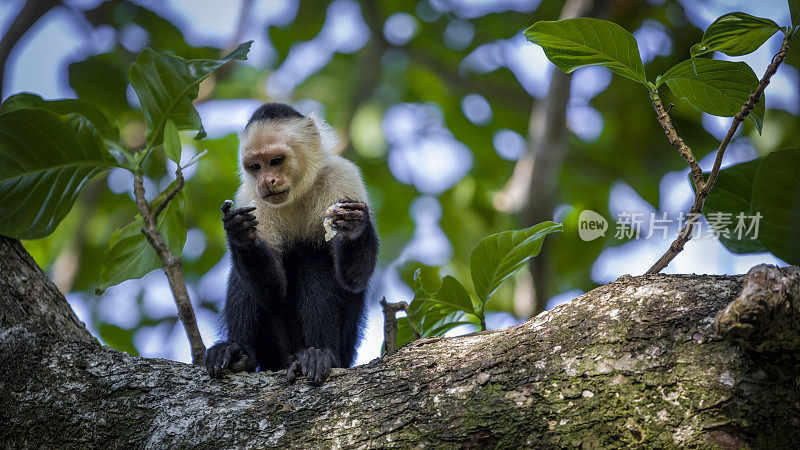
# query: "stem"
{"type": "Point", "coordinates": [676, 141]}
{"type": "Point", "coordinates": [171, 194]}
{"type": "Point", "coordinates": [701, 193]}
{"type": "Point", "coordinates": [173, 267]}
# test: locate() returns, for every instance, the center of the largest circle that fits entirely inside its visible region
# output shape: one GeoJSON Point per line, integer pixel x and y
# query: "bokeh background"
{"type": "Point", "coordinates": [440, 102]}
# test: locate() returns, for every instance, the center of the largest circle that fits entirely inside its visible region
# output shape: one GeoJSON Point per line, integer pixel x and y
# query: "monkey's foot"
{"type": "Point", "coordinates": [228, 356]}
{"type": "Point", "coordinates": [313, 363]}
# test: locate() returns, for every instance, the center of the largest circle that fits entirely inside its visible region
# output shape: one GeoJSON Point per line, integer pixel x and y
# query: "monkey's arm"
{"type": "Point", "coordinates": [355, 246]}
{"type": "Point", "coordinates": [256, 274]}
{"type": "Point", "coordinates": [354, 249]}
{"type": "Point", "coordinates": [259, 270]}
{"type": "Point", "coordinates": [253, 262]}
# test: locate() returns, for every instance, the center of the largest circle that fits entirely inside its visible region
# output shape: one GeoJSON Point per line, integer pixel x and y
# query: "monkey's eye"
{"type": "Point", "coordinates": [276, 161]}
{"type": "Point", "coordinates": [254, 167]}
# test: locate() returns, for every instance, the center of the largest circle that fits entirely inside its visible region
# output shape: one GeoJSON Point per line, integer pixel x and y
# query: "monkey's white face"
{"type": "Point", "coordinates": [278, 158]}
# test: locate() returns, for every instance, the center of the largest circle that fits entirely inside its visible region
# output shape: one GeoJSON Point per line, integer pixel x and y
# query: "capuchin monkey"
{"type": "Point", "coordinates": [303, 245]}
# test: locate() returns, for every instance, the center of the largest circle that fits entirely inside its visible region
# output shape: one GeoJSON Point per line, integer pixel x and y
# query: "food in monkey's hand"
{"type": "Point", "coordinates": [327, 222]}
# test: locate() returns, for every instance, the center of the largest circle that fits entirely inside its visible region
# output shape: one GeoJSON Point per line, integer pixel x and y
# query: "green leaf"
{"type": "Point", "coordinates": [735, 34]}
{"type": "Point", "coordinates": [172, 142]}
{"type": "Point", "coordinates": [716, 87]}
{"type": "Point", "coordinates": [427, 279]}
{"type": "Point", "coordinates": [428, 309]}
{"type": "Point", "coordinates": [118, 338]}
{"type": "Point", "coordinates": [104, 125]}
{"type": "Point", "coordinates": [103, 79]}
{"type": "Point", "coordinates": [45, 160]}
{"type": "Point", "coordinates": [731, 195]}
{"type": "Point", "coordinates": [769, 189]}
{"type": "Point", "coordinates": [166, 85]}
{"type": "Point", "coordinates": [500, 255]}
{"type": "Point", "coordinates": [404, 332]}
{"type": "Point", "coordinates": [447, 324]}
{"type": "Point", "coordinates": [794, 10]}
{"type": "Point", "coordinates": [129, 255]}
{"type": "Point", "coordinates": [574, 43]}
{"type": "Point", "coordinates": [776, 196]}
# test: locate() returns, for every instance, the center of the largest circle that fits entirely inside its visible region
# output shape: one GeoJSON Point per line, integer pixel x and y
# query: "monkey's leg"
{"type": "Point", "coordinates": [312, 362]}
{"type": "Point", "coordinates": [228, 355]}
{"type": "Point", "coordinates": [320, 312]}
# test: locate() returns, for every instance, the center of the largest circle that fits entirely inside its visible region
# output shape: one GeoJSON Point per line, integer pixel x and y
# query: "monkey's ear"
{"type": "Point", "coordinates": [329, 140]}
{"type": "Point", "coordinates": [310, 129]}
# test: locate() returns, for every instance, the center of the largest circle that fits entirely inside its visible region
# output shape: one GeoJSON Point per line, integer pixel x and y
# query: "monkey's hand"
{"type": "Point", "coordinates": [348, 217]}
{"type": "Point", "coordinates": [313, 363]}
{"type": "Point", "coordinates": [240, 225]}
{"type": "Point", "coordinates": [228, 356]}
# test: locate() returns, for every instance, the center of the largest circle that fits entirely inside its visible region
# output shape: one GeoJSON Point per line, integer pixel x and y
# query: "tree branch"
{"type": "Point", "coordinates": [676, 141]}
{"type": "Point", "coordinates": [765, 317]}
{"type": "Point", "coordinates": [548, 141]}
{"type": "Point", "coordinates": [390, 324]}
{"type": "Point", "coordinates": [171, 194]}
{"type": "Point", "coordinates": [173, 266]}
{"type": "Point", "coordinates": [31, 12]}
{"type": "Point", "coordinates": [747, 107]}
{"type": "Point", "coordinates": [702, 193]}
{"type": "Point", "coordinates": [635, 363]}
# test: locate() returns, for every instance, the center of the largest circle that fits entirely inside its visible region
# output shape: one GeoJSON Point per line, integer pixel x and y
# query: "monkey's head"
{"type": "Point", "coordinates": [281, 153]}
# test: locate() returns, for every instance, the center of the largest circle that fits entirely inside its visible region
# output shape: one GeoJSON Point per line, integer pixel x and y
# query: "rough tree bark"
{"type": "Point", "coordinates": [640, 361]}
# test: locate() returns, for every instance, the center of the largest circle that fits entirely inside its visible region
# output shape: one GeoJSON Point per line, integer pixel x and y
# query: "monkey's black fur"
{"type": "Point", "coordinates": [303, 308]}
{"type": "Point", "coordinates": [272, 111]}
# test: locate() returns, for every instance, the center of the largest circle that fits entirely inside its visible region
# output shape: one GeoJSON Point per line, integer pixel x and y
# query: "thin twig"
{"type": "Point", "coordinates": [676, 141]}
{"type": "Point", "coordinates": [390, 324]}
{"type": "Point", "coordinates": [702, 193]}
{"type": "Point", "coordinates": [171, 194]}
{"type": "Point", "coordinates": [173, 267]}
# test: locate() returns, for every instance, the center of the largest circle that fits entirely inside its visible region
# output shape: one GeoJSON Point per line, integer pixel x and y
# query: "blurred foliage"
{"type": "Point", "coordinates": [356, 89]}
{"type": "Point", "coordinates": [755, 205]}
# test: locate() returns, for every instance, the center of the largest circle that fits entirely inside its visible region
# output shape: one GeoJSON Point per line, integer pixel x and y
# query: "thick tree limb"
{"type": "Point", "coordinates": [634, 363]}
{"type": "Point", "coordinates": [765, 317]}
{"type": "Point", "coordinates": [29, 300]}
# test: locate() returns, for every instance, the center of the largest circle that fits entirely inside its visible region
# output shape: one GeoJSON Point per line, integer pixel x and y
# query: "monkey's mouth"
{"type": "Point", "coordinates": [275, 196]}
